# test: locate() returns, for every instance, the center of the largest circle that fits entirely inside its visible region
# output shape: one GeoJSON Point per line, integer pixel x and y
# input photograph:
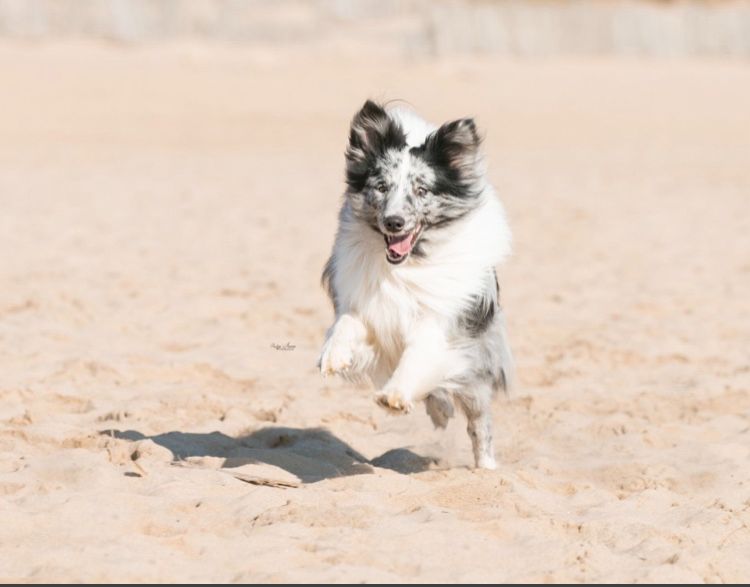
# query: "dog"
{"type": "Point", "coordinates": [412, 273]}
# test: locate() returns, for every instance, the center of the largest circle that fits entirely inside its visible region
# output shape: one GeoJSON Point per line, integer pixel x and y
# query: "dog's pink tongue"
{"type": "Point", "coordinates": [400, 246]}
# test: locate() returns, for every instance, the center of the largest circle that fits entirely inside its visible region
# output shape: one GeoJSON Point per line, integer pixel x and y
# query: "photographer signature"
{"type": "Point", "coordinates": [283, 347]}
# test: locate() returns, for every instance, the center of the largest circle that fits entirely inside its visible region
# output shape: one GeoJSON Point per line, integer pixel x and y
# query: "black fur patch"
{"type": "Point", "coordinates": [452, 152]}
{"type": "Point", "coordinates": [372, 133]}
{"type": "Point", "coordinates": [478, 317]}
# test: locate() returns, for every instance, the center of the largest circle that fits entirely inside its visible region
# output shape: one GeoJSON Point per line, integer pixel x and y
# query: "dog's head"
{"type": "Point", "coordinates": [405, 191]}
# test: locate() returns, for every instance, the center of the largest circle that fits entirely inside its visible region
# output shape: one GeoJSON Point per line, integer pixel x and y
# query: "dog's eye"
{"type": "Point", "coordinates": [421, 191]}
{"type": "Point", "coordinates": [381, 187]}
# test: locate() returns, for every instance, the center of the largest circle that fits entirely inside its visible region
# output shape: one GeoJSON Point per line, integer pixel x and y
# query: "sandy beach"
{"type": "Point", "coordinates": [165, 215]}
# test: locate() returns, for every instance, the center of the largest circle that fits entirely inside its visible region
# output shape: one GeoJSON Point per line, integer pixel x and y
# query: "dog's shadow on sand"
{"type": "Point", "coordinates": [311, 454]}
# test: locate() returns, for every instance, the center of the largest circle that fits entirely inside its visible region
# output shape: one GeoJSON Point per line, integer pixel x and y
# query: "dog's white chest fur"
{"type": "Point", "coordinates": [391, 300]}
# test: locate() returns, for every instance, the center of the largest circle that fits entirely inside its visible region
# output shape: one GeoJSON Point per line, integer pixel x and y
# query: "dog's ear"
{"type": "Point", "coordinates": [454, 147]}
{"type": "Point", "coordinates": [372, 133]}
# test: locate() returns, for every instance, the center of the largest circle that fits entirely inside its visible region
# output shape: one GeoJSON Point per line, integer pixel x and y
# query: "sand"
{"type": "Point", "coordinates": [165, 214]}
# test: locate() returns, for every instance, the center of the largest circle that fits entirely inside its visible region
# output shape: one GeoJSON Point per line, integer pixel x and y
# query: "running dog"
{"type": "Point", "coordinates": [412, 272]}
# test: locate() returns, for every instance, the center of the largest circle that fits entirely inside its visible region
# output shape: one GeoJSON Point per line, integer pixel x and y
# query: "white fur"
{"type": "Point", "coordinates": [415, 127]}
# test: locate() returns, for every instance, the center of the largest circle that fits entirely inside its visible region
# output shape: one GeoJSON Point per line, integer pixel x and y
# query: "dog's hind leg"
{"type": "Point", "coordinates": [439, 407]}
{"type": "Point", "coordinates": [477, 405]}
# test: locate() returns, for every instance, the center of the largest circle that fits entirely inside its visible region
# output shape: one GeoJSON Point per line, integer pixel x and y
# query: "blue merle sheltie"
{"type": "Point", "coordinates": [412, 272]}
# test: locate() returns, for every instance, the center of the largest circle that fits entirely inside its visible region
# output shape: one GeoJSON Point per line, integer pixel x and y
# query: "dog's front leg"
{"type": "Point", "coordinates": [346, 351]}
{"type": "Point", "coordinates": [423, 366]}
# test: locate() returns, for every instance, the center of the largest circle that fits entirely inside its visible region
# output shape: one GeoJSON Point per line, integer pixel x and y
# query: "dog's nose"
{"type": "Point", "coordinates": [394, 223]}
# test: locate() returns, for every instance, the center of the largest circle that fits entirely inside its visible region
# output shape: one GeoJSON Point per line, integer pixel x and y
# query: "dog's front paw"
{"type": "Point", "coordinates": [393, 401]}
{"type": "Point", "coordinates": [336, 358]}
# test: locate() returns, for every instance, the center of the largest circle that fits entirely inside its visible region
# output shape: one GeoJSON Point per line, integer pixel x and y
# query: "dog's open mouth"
{"type": "Point", "coordinates": [399, 246]}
